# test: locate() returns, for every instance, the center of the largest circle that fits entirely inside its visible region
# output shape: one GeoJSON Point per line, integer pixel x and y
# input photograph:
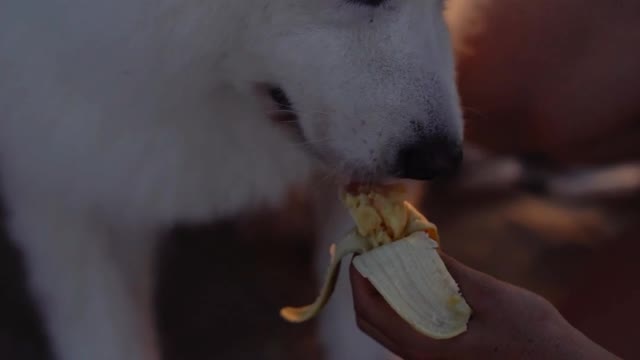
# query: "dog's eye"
{"type": "Point", "coordinates": [372, 3]}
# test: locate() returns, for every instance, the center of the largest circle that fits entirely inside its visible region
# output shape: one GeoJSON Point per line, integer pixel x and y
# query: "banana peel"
{"type": "Point", "coordinates": [397, 248]}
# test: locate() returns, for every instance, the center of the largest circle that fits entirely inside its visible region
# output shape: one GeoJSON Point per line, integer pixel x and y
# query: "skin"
{"type": "Point", "coordinates": [508, 323]}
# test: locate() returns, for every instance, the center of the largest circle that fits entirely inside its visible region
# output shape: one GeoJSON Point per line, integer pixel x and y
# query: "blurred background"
{"type": "Point", "coordinates": [548, 199]}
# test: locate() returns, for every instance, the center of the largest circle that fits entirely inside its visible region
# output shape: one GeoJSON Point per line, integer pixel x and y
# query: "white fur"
{"type": "Point", "coordinates": [121, 117]}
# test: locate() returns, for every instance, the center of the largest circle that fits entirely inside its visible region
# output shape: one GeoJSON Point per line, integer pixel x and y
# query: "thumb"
{"type": "Point", "coordinates": [480, 290]}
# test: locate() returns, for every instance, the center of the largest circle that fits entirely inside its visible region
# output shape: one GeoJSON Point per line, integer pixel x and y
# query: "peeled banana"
{"type": "Point", "coordinates": [398, 255]}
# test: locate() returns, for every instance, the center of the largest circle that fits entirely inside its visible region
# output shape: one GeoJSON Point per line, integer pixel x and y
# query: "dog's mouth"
{"type": "Point", "coordinates": [282, 112]}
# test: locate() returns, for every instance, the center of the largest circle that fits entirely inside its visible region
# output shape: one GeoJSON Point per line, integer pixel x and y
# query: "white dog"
{"type": "Point", "coordinates": [119, 118]}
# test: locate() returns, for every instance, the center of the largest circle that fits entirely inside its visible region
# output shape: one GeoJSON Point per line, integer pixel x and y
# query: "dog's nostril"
{"type": "Point", "coordinates": [429, 158]}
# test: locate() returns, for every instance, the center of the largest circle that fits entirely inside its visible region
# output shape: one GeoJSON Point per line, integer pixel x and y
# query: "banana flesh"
{"type": "Point", "coordinates": [397, 249]}
{"type": "Point", "coordinates": [411, 277]}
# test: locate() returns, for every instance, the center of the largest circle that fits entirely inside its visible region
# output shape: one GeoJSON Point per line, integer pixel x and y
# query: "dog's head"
{"type": "Point", "coordinates": [370, 83]}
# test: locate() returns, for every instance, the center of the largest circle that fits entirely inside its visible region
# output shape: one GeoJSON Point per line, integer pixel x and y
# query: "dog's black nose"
{"type": "Point", "coordinates": [428, 158]}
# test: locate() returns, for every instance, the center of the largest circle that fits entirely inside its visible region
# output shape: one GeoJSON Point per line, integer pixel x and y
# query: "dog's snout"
{"type": "Point", "coordinates": [428, 158]}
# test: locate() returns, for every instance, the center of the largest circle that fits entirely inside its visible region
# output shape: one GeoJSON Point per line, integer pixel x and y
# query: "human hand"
{"type": "Point", "coordinates": [508, 322]}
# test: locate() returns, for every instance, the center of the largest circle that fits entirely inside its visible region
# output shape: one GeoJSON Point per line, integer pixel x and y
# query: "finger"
{"type": "Point", "coordinates": [487, 295]}
{"type": "Point", "coordinates": [479, 289]}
